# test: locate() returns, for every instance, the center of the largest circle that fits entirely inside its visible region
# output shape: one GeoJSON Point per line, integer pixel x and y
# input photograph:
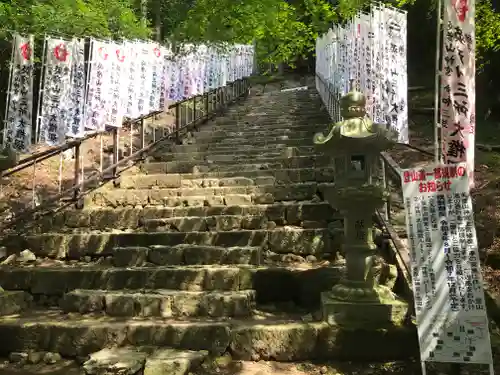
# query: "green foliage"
{"type": "Point", "coordinates": [284, 31]}
{"type": "Point", "coordinates": [487, 28]}
{"type": "Point", "coordinates": [100, 18]}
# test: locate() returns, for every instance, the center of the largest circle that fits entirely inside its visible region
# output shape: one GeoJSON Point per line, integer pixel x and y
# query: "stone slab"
{"type": "Point", "coordinates": [119, 361]}
{"type": "Point", "coordinates": [122, 218]}
{"type": "Point", "coordinates": [173, 362]}
{"type": "Point", "coordinates": [209, 223]}
{"type": "Point", "coordinates": [381, 314]}
{"type": "Point", "coordinates": [288, 239]}
{"type": "Point", "coordinates": [161, 303]}
{"type": "Point", "coordinates": [264, 194]}
{"type": "Point", "coordinates": [64, 367]}
{"type": "Point", "coordinates": [284, 339]}
{"type": "Point", "coordinates": [12, 302]}
{"type": "Point", "coordinates": [59, 280]}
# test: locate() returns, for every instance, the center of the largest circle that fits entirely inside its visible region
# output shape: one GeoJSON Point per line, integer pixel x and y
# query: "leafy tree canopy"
{"type": "Point", "coordinates": [100, 18]}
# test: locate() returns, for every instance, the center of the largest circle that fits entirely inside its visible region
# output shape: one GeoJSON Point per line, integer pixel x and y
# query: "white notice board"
{"type": "Point", "coordinates": [447, 283]}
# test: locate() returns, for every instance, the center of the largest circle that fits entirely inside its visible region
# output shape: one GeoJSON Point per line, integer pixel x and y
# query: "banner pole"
{"type": "Point", "coordinates": [437, 86]}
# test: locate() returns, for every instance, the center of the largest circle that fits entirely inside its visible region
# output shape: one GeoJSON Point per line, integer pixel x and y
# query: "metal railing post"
{"type": "Point", "coordinates": [142, 134]}
{"type": "Point", "coordinates": [177, 124]}
{"type": "Point", "coordinates": [76, 176]}
{"type": "Point", "coordinates": [206, 109]}
{"type": "Point", "coordinates": [194, 110]}
{"type": "Point", "coordinates": [116, 157]}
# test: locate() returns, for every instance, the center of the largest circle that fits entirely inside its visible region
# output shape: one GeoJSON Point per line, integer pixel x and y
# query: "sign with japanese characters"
{"type": "Point", "coordinates": [76, 125]}
{"type": "Point", "coordinates": [458, 114]}
{"type": "Point", "coordinates": [99, 84]}
{"type": "Point", "coordinates": [447, 283]}
{"type": "Point", "coordinates": [19, 112]}
{"type": "Point", "coordinates": [117, 88]}
{"type": "Point", "coordinates": [56, 92]}
{"type": "Point", "coordinates": [369, 53]}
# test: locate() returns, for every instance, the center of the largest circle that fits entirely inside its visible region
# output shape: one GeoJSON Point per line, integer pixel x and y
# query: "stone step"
{"type": "Point", "coordinates": [183, 254]}
{"type": "Point", "coordinates": [144, 361]}
{"type": "Point", "coordinates": [210, 223]}
{"type": "Point", "coordinates": [217, 149]}
{"type": "Point", "coordinates": [222, 136]}
{"type": "Point", "coordinates": [284, 278]}
{"type": "Point", "coordinates": [281, 176]}
{"type": "Point", "coordinates": [240, 156]}
{"type": "Point", "coordinates": [208, 196]}
{"type": "Point", "coordinates": [298, 283]}
{"type": "Point", "coordinates": [235, 165]}
{"type": "Point", "coordinates": [57, 280]}
{"type": "Point", "coordinates": [250, 128]}
{"type": "Point", "coordinates": [188, 151]}
{"type": "Point", "coordinates": [176, 180]}
{"type": "Point", "coordinates": [281, 338]}
{"type": "Point", "coordinates": [161, 303]}
{"type": "Point", "coordinates": [261, 141]}
{"type": "Point", "coordinates": [288, 126]}
{"type": "Point", "coordinates": [121, 218]}
{"type": "Point", "coordinates": [76, 245]}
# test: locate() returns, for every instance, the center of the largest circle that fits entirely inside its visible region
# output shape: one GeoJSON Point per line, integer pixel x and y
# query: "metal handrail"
{"type": "Point", "coordinates": [214, 102]}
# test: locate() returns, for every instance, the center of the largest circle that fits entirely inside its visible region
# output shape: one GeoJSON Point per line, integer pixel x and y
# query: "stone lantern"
{"type": "Point", "coordinates": [355, 145]}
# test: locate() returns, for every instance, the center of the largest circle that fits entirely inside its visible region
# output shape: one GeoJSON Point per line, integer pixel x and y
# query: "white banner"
{"type": "Point", "coordinates": [56, 93]}
{"type": "Point", "coordinates": [98, 87]}
{"type": "Point", "coordinates": [131, 92]}
{"type": "Point", "coordinates": [117, 88]}
{"type": "Point", "coordinates": [144, 78]}
{"type": "Point", "coordinates": [19, 112]}
{"type": "Point", "coordinates": [447, 283]}
{"type": "Point", "coordinates": [76, 125]}
{"type": "Point", "coordinates": [458, 86]}
{"type": "Point", "coordinates": [370, 51]}
{"type": "Point", "coordinates": [396, 108]}
{"type": "Point", "coordinates": [157, 71]}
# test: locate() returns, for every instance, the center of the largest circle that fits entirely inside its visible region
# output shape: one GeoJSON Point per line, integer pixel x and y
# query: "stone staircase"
{"type": "Point", "coordinates": [219, 245]}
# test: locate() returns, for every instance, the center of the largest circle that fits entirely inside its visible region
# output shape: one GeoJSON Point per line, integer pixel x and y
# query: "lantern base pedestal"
{"type": "Point", "coordinates": [364, 312]}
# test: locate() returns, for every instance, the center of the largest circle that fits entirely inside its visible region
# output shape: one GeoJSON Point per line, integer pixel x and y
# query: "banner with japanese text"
{"type": "Point", "coordinates": [367, 53]}
{"type": "Point", "coordinates": [117, 88]}
{"type": "Point", "coordinates": [93, 87]}
{"type": "Point", "coordinates": [452, 322]}
{"type": "Point", "coordinates": [98, 86]}
{"type": "Point", "coordinates": [56, 93]}
{"type": "Point", "coordinates": [458, 113]}
{"type": "Point", "coordinates": [76, 126]}
{"type": "Point", "coordinates": [19, 112]}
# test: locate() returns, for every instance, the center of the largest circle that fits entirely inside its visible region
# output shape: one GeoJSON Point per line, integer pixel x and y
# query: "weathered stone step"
{"type": "Point", "coordinates": [209, 223]}
{"type": "Point", "coordinates": [121, 218]}
{"type": "Point", "coordinates": [241, 156]}
{"type": "Point", "coordinates": [161, 303]}
{"type": "Point", "coordinates": [216, 149]}
{"type": "Point", "coordinates": [44, 282]}
{"type": "Point", "coordinates": [57, 280]}
{"type": "Point", "coordinates": [235, 165]}
{"type": "Point", "coordinates": [185, 151]}
{"type": "Point", "coordinates": [279, 125]}
{"type": "Point", "coordinates": [183, 254]}
{"type": "Point", "coordinates": [280, 338]}
{"type": "Point", "coordinates": [144, 361]}
{"type": "Point", "coordinates": [281, 176]}
{"type": "Point", "coordinates": [76, 245]}
{"type": "Point", "coordinates": [176, 180]}
{"type": "Point", "coordinates": [257, 141]}
{"type": "Point", "coordinates": [222, 136]}
{"type": "Point", "coordinates": [204, 196]}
